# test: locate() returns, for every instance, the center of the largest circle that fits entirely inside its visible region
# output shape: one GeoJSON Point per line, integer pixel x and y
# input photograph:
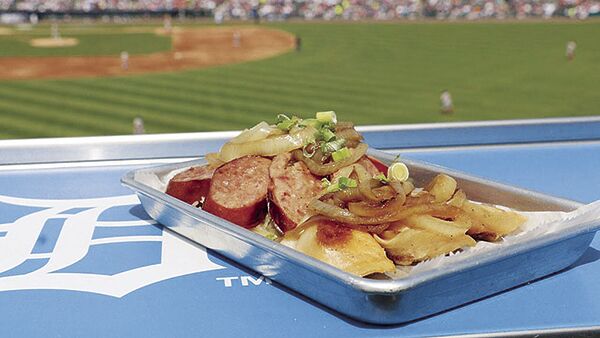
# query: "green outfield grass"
{"type": "Point", "coordinates": [370, 73]}
{"type": "Point", "coordinates": [91, 42]}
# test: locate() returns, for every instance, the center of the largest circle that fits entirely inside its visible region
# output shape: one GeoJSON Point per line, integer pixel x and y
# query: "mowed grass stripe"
{"type": "Point", "coordinates": [386, 83]}
{"type": "Point", "coordinates": [354, 107]}
{"type": "Point", "coordinates": [288, 86]}
{"type": "Point", "coordinates": [53, 119]}
{"type": "Point", "coordinates": [235, 111]}
{"type": "Point", "coordinates": [322, 93]}
{"type": "Point", "coordinates": [282, 89]}
{"type": "Point", "coordinates": [166, 114]}
{"type": "Point", "coordinates": [103, 105]}
{"type": "Point", "coordinates": [27, 121]}
{"type": "Point", "coordinates": [37, 108]}
{"type": "Point", "coordinates": [116, 105]}
{"type": "Point", "coordinates": [345, 82]}
{"type": "Point", "coordinates": [186, 108]}
{"type": "Point", "coordinates": [266, 99]}
{"type": "Point", "coordinates": [54, 108]}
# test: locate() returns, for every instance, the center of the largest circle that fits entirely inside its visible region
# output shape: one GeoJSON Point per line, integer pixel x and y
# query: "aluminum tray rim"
{"type": "Point", "coordinates": [366, 285]}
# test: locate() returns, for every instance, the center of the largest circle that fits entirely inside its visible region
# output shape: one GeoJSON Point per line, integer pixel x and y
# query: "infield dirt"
{"type": "Point", "coordinates": [191, 48]}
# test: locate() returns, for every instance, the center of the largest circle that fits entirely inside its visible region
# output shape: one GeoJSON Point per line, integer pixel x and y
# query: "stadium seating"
{"type": "Point", "coordinates": [323, 9]}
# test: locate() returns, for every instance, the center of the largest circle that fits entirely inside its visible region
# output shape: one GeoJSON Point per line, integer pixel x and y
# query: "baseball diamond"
{"type": "Point", "coordinates": [369, 72]}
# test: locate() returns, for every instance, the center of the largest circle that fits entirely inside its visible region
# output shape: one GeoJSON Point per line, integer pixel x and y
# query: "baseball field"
{"type": "Point", "coordinates": [199, 78]}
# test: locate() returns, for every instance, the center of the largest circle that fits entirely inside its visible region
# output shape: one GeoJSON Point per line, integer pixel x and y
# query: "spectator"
{"type": "Point", "coordinates": [326, 9]}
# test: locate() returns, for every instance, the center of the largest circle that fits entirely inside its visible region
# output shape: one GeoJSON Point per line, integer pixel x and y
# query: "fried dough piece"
{"type": "Point", "coordinates": [347, 249]}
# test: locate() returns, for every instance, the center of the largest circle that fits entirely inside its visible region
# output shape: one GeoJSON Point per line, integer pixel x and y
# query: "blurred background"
{"type": "Point", "coordinates": [89, 67]}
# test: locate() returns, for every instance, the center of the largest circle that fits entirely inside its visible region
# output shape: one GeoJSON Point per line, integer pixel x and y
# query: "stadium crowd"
{"type": "Point", "coordinates": [326, 9]}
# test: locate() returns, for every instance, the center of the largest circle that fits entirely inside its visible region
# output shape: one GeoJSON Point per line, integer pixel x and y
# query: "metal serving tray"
{"type": "Point", "coordinates": [382, 301]}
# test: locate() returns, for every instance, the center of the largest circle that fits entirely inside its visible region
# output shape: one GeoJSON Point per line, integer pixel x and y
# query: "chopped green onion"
{"type": "Point", "coordinates": [310, 122]}
{"type": "Point", "coordinates": [398, 172]}
{"type": "Point", "coordinates": [332, 188]}
{"type": "Point", "coordinates": [342, 183]}
{"type": "Point", "coordinates": [326, 134]}
{"type": "Point", "coordinates": [345, 183]}
{"type": "Point", "coordinates": [340, 155]}
{"type": "Point", "coordinates": [286, 125]}
{"type": "Point", "coordinates": [282, 117]}
{"type": "Point", "coordinates": [327, 117]}
{"type": "Point", "coordinates": [332, 146]}
{"type": "Point", "coordinates": [381, 177]}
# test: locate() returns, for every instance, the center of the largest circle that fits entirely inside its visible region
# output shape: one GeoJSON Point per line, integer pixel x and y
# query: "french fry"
{"type": "Point", "coordinates": [476, 229]}
{"type": "Point", "coordinates": [442, 187]}
{"type": "Point", "coordinates": [458, 199]}
{"type": "Point", "coordinates": [492, 219]}
{"type": "Point", "coordinates": [445, 212]}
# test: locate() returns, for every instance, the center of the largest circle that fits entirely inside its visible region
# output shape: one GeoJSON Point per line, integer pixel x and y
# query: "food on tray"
{"type": "Point", "coordinates": [309, 184]}
{"type": "Point", "coordinates": [191, 185]}
{"type": "Point", "coordinates": [292, 188]}
{"type": "Point", "coordinates": [238, 191]}
{"type": "Point", "coordinates": [351, 250]}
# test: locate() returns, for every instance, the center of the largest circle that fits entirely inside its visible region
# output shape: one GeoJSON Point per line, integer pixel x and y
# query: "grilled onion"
{"type": "Point", "coordinates": [345, 216]}
{"type": "Point", "coordinates": [371, 209]}
{"type": "Point", "coordinates": [342, 125]}
{"type": "Point", "coordinates": [269, 146]}
{"type": "Point", "coordinates": [365, 182]}
{"type": "Point", "coordinates": [296, 232]}
{"type": "Point", "coordinates": [348, 195]}
{"type": "Point", "coordinates": [213, 159]}
{"type": "Point", "coordinates": [349, 134]}
{"type": "Point", "coordinates": [258, 132]}
{"type": "Point", "coordinates": [320, 169]}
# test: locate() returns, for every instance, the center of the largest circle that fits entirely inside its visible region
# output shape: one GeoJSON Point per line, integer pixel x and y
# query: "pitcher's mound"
{"type": "Point", "coordinates": [53, 42]}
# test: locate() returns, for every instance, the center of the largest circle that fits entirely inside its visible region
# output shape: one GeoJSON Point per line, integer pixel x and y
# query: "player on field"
{"type": "Point", "coordinates": [124, 60]}
{"type": "Point", "coordinates": [570, 51]}
{"type": "Point", "coordinates": [446, 102]}
{"type": "Point", "coordinates": [138, 125]}
{"type": "Point", "coordinates": [237, 38]}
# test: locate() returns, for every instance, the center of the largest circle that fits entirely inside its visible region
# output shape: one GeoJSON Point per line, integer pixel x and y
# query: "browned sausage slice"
{"type": "Point", "coordinates": [238, 191]}
{"type": "Point", "coordinates": [191, 185]}
{"type": "Point", "coordinates": [292, 188]}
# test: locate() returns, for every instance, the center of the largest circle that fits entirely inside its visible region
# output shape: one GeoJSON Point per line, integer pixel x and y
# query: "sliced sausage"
{"type": "Point", "coordinates": [191, 185]}
{"type": "Point", "coordinates": [238, 191]}
{"type": "Point", "coordinates": [292, 188]}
